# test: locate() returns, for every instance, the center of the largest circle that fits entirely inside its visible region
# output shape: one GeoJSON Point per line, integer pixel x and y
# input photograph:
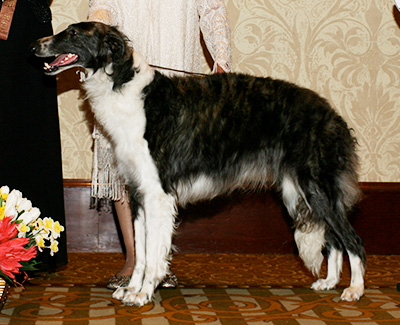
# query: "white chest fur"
{"type": "Point", "coordinates": [121, 114]}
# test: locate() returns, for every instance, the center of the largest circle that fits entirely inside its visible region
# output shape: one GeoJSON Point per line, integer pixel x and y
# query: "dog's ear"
{"type": "Point", "coordinates": [115, 44]}
{"type": "Point", "coordinates": [119, 54]}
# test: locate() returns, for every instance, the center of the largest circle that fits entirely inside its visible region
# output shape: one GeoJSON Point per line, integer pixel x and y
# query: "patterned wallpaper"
{"type": "Point", "coordinates": [346, 50]}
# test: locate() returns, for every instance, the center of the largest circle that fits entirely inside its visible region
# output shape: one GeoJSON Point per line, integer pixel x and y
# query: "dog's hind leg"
{"type": "Point", "coordinates": [356, 289]}
{"type": "Point", "coordinates": [353, 244]}
{"type": "Point", "coordinates": [335, 262]}
{"type": "Point", "coordinates": [330, 203]}
{"type": "Point", "coordinates": [347, 194]}
{"type": "Point", "coordinates": [318, 218]}
{"type": "Point", "coordinates": [355, 249]}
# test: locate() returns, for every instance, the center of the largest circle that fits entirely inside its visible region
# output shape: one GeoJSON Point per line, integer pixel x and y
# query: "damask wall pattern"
{"type": "Point", "coordinates": [346, 50]}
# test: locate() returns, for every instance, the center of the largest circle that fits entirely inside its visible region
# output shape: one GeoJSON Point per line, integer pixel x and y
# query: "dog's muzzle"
{"type": "Point", "coordinates": [42, 48]}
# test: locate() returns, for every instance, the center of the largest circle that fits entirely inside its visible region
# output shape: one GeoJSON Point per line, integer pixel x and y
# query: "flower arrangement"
{"type": "Point", "coordinates": [23, 234]}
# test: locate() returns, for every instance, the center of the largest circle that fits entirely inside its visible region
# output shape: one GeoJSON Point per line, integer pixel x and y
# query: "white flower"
{"type": "Point", "coordinates": [40, 229]}
{"type": "Point", "coordinates": [23, 229]}
{"type": "Point", "coordinates": [40, 242]}
{"type": "Point", "coordinates": [29, 216]}
{"type": "Point", "coordinates": [56, 230]}
{"type": "Point", "coordinates": [48, 224]}
{"type": "Point", "coordinates": [17, 194]}
{"type": "Point", "coordinates": [4, 190]}
{"type": "Point", "coordinates": [12, 199]}
{"type": "Point", "coordinates": [24, 205]}
{"type": "Point", "coordinates": [53, 247]}
{"type": "Point", "coordinates": [29, 224]}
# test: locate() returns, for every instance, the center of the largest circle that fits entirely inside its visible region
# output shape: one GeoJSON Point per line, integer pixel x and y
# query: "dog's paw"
{"type": "Point", "coordinates": [130, 297]}
{"type": "Point", "coordinates": [136, 299]}
{"type": "Point", "coordinates": [324, 284]}
{"type": "Point", "coordinates": [352, 293]}
{"type": "Point", "coordinates": [119, 293]}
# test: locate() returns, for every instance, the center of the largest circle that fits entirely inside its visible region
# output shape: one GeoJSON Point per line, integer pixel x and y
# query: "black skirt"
{"type": "Point", "coordinates": [30, 134]}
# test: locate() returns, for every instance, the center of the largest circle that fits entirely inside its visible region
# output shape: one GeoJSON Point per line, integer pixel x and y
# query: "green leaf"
{"type": "Point", "coordinates": [29, 266]}
{"type": "Point", "coordinates": [7, 278]}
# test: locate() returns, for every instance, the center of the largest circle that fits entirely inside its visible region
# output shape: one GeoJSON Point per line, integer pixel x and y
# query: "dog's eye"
{"type": "Point", "coordinates": [72, 32]}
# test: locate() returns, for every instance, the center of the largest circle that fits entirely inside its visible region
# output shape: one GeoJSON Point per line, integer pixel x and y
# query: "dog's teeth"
{"type": "Point", "coordinates": [69, 55]}
{"type": "Point", "coordinates": [46, 66]}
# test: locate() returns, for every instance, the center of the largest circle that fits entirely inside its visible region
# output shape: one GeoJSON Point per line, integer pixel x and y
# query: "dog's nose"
{"type": "Point", "coordinates": [34, 46]}
{"type": "Point", "coordinates": [40, 45]}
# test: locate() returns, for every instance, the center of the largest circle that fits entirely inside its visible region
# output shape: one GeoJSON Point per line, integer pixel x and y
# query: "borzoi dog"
{"type": "Point", "coordinates": [184, 139]}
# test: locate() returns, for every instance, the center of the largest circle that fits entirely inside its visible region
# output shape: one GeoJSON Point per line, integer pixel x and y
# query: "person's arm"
{"type": "Point", "coordinates": [214, 25]}
{"type": "Point", "coordinates": [102, 11]}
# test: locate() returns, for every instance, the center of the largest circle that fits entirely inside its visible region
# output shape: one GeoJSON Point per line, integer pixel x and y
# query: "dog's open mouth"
{"type": "Point", "coordinates": [62, 60]}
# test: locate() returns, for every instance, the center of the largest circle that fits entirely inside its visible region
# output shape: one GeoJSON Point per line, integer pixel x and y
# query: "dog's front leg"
{"type": "Point", "coordinates": [160, 211]}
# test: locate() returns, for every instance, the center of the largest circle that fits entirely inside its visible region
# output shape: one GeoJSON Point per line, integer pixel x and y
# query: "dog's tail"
{"type": "Point", "coordinates": [309, 236]}
{"type": "Point", "coordinates": [310, 243]}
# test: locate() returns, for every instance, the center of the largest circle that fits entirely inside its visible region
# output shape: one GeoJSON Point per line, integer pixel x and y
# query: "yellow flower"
{"type": "Point", "coordinates": [2, 209]}
{"type": "Point", "coordinates": [40, 243]}
{"type": "Point", "coordinates": [39, 224]}
{"type": "Point", "coordinates": [23, 227]}
{"type": "Point", "coordinates": [54, 247]}
{"type": "Point", "coordinates": [57, 228]}
{"type": "Point", "coordinates": [48, 223]}
{"type": "Point", "coordinates": [4, 196]}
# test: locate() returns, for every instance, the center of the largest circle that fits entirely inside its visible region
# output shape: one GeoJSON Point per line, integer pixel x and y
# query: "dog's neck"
{"type": "Point", "coordinates": [101, 82]}
{"type": "Point", "coordinates": [110, 106]}
{"type": "Point", "coordinates": [141, 66]}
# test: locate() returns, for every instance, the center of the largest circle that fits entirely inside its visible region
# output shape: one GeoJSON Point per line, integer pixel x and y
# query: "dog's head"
{"type": "Point", "coordinates": [90, 45]}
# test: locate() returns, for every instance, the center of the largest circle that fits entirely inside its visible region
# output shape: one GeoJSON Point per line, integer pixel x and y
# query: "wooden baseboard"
{"type": "Point", "coordinates": [239, 223]}
{"type": "Point", "coordinates": [77, 182]}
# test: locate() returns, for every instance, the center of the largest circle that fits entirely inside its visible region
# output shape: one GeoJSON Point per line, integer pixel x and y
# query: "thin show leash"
{"type": "Point", "coordinates": [83, 76]}
{"type": "Point", "coordinates": [397, 4]}
{"type": "Point", "coordinates": [180, 71]}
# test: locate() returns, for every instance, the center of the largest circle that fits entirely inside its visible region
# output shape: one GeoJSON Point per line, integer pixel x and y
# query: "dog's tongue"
{"type": "Point", "coordinates": [64, 59]}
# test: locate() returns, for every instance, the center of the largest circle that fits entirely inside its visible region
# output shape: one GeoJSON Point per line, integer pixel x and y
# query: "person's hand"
{"type": "Point", "coordinates": [219, 69]}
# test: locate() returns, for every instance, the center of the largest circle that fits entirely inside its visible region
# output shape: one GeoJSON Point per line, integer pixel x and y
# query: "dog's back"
{"type": "Point", "coordinates": [226, 125]}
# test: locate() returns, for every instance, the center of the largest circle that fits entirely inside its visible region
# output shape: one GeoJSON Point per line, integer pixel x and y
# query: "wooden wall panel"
{"type": "Point", "coordinates": [88, 230]}
{"type": "Point", "coordinates": [240, 223]}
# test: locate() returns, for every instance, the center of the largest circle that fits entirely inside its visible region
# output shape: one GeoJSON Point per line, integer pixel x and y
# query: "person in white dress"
{"type": "Point", "coordinates": [167, 33]}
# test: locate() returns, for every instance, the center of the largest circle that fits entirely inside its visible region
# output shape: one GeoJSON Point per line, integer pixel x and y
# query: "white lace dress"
{"type": "Point", "coordinates": [167, 33]}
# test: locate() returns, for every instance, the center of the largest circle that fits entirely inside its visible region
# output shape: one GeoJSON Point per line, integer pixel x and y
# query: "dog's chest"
{"type": "Point", "coordinates": [120, 113]}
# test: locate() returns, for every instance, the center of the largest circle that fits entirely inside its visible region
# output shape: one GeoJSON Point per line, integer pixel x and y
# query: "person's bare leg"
{"type": "Point", "coordinates": [122, 278]}
{"type": "Point", "coordinates": [126, 225]}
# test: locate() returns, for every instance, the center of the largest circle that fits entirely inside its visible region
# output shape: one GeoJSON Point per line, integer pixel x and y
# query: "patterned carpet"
{"type": "Point", "coordinates": [214, 289]}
